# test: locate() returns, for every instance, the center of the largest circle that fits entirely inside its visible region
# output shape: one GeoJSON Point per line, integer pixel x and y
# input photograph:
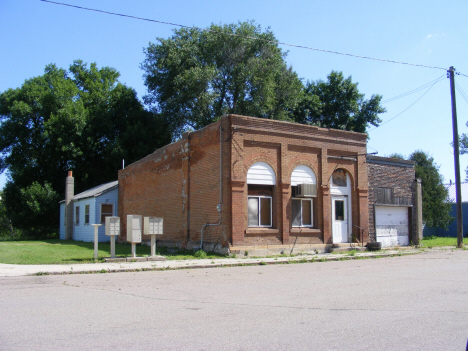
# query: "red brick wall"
{"type": "Point", "coordinates": [284, 146]}
{"type": "Point", "coordinates": [204, 184]}
{"type": "Point", "coordinates": [180, 182]}
{"type": "Point", "coordinates": [154, 186]}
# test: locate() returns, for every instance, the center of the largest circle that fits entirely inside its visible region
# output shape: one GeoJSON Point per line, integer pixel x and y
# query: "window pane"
{"type": "Point", "coordinates": [77, 215]}
{"type": "Point", "coordinates": [265, 208]}
{"type": "Point", "coordinates": [339, 210]}
{"type": "Point", "coordinates": [253, 211]}
{"type": "Point", "coordinates": [339, 177]}
{"type": "Point", "coordinates": [296, 213]}
{"type": "Point", "coordinates": [306, 212]}
{"type": "Point", "coordinates": [86, 216]}
{"type": "Point", "coordinates": [106, 211]}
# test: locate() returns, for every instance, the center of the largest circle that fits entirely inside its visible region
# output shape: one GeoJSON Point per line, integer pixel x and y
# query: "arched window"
{"type": "Point", "coordinates": [339, 178]}
{"type": "Point", "coordinates": [261, 173]}
{"type": "Point", "coordinates": [303, 189]}
{"type": "Point", "coordinates": [260, 182]}
{"type": "Point", "coordinates": [303, 175]}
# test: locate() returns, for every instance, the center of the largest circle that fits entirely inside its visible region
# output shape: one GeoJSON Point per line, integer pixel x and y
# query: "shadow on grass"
{"type": "Point", "coordinates": [123, 250]}
{"type": "Point", "coordinates": [56, 251]}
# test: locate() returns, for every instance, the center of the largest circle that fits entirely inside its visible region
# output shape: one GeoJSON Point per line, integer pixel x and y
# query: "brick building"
{"type": "Point", "coordinates": [395, 216]}
{"type": "Point", "coordinates": [277, 184]}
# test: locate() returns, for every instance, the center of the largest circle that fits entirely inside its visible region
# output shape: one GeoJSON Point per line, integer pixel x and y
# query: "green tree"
{"type": "Point", "coordinates": [6, 227]}
{"type": "Point", "coordinates": [337, 103]}
{"type": "Point", "coordinates": [464, 148]}
{"type": "Point", "coordinates": [196, 76]}
{"type": "Point", "coordinates": [397, 156]}
{"type": "Point", "coordinates": [436, 211]}
{"type": "Point", "coordinates": [82, 119]}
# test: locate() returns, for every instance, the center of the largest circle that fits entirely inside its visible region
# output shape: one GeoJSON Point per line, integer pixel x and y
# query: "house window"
{"type": "Point", "coordinates": [259, 205]}
{"type": "Point", "coordinates": [77, 215]}
{"type": "Point", "coordinates": [107, 210]}
{"type": "Point", "coordinates": [259, 211]}
{"type": "Point", "coordinates": [86, 214]}
{"type": "Point", "coordinates": [339, 210]}
{"type": "Point", "coordinates": [303, 192]}
{"type": "Point", "coordinates": [339, 178]}
{"type": "Point", "coordinates": [260, 184]}
{"type": "Point", "coordinates": [302, 213]}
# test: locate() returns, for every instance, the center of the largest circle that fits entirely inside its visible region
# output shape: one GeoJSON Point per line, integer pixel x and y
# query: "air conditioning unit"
{"type": "Point", "coordinates": [306, 190]}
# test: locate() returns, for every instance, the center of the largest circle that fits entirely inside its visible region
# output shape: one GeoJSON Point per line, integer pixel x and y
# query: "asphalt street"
{"type": "Point", "coordinates": [415, 302]}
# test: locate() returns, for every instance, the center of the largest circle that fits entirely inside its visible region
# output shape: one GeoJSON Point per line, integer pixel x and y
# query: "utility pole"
{"type": "Point", "coordinates": [456, 153]}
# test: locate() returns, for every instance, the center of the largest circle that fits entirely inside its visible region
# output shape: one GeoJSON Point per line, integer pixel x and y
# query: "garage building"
{"type": "Point", "coordinates": [392, 189]}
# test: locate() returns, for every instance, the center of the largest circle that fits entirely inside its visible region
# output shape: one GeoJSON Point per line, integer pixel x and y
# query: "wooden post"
{"type": "Point", "coordinates": [456, 154]}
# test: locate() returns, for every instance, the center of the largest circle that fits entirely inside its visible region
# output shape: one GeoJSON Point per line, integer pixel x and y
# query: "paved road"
{"type": "Point", "coordinates": [417, 302]}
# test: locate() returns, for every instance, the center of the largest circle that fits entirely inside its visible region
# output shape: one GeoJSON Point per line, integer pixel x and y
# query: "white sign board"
{"type": "Point", "coordinates": [112, 225]}
{"type": "Point", "coordinates": [153, 225]}
{"type": "Point", "coordinates": [134, 228]}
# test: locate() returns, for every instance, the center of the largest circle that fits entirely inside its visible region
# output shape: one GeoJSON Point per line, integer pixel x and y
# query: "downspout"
{"type": "Point", "coordinates": [218, 207]}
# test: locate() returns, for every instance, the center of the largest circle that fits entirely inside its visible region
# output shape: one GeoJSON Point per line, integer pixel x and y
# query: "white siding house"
{"type": "Point", "coordinates": [91, 207]}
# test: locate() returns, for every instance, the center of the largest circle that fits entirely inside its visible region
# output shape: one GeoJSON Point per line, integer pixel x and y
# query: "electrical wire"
{"type": "Point", "coordinates": [412, 91]}
{"type": "Point", "coordinates": [246, 37]}
{"type": "Point", "coordinates": [462, 93]}
{"type": "Point", "coordinates": [406, 109]}
{"type": "Point", "coordinates": [370, 147]}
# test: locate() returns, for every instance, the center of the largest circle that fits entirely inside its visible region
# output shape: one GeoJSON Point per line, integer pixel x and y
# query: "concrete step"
{"type": "Point", "coordinates": [347, 245]}
{"type": "Point", "coordinates": [342, 248]}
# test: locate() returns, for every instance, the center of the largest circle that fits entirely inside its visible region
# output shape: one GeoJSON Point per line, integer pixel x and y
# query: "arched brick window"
{"type": "Point", "coordinates": [303, 191]}
{"type": "Point", "coordinates": [260, 182]}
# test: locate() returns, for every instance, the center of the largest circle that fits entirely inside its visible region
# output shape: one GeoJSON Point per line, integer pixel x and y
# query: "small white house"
{"type": "Point", "coordinates": [90, 207]}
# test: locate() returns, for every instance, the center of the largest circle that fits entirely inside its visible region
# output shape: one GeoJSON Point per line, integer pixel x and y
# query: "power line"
{"type": "Point", "coordinates": [406, 109]}
{"type": "Point", "coordinates": [411, 91]}
{"type": "Point", "coordinates": [246, 37]}
{"type": "Point", "coordinates": [462, 93]}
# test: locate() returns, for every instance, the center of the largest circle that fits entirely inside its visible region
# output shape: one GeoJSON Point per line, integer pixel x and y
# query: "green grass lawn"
{"type": "Point", "coordinates": [65, 252]}
{"type": "Point", "coordinates": [434, 241]}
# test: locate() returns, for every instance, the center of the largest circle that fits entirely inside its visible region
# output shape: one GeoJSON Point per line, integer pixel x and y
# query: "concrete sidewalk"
{"type": "Point", "coordinates": [11, 270]}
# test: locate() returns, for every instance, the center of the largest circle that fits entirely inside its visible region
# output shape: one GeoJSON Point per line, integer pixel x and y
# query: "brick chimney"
{"type": "Point", "coordinates": [69, 193]}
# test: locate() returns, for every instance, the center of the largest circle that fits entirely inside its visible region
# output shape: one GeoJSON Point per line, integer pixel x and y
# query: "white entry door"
{"type": "Point", "coordinates": [340, 219]}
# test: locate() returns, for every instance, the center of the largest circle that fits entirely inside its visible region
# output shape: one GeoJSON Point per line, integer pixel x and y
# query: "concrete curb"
{"type": "Point", "coordinates": [9, 270]}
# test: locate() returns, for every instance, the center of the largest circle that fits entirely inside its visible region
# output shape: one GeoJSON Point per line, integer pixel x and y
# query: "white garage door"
{"type": "Point", "coordinates": [392, 225]}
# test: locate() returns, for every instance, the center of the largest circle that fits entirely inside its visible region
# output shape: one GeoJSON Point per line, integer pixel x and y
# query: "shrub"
{"type": "Point", "coordinates": [200, 254]}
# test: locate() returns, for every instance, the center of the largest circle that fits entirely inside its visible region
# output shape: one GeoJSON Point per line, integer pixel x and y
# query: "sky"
{"type": "Point", "coordinates": [429, 33]}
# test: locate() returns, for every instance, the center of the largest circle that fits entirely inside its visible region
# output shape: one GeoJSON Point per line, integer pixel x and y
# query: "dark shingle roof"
{"type": "Point", "coordinates": [96, 191]}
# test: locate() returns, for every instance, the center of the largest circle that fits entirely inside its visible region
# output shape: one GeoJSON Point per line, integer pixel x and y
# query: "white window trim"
{"type": "Point", "coordinates": [311, 213]}
{"type": "Point", "coordinates": [100, 210]}
{"type": "Point", "coordinates": [259, 210]}
{"type": "Point", "coordinates": [89, 214]}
